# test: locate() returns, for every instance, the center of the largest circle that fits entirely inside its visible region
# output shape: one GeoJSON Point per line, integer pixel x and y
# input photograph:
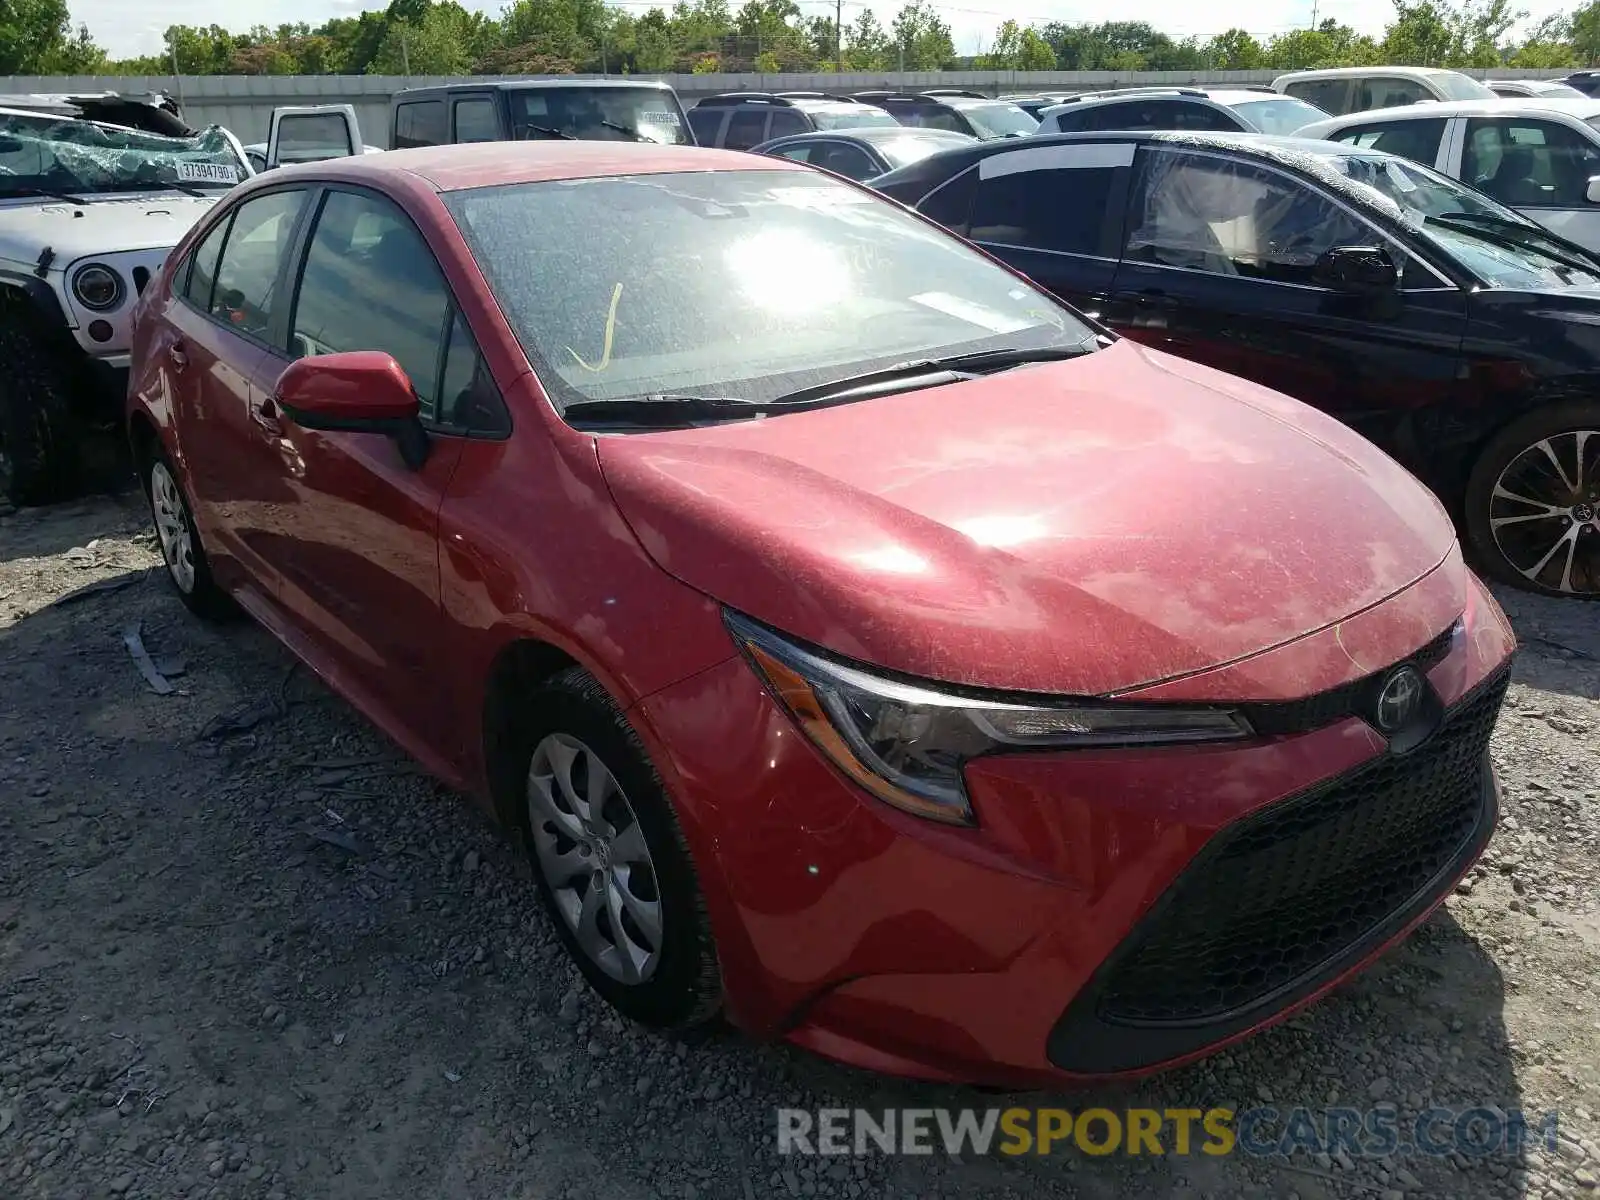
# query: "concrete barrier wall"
{"type": "Point", "coordinates": [244, 103]}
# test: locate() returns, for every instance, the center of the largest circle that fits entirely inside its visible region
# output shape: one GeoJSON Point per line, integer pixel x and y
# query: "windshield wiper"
{"type": "Point", "coordinates": [633, 133]}
{"type": "Point", "coordinates": [1532, 237]}
{"type": "Point", "coordinates": [551, 131]}
{"type": "Point", "coordinates": [658, 408]}
{"type": "Point", "coordinates": [929, 372]}
{"type": "Point", "coordinates": [47, 193]}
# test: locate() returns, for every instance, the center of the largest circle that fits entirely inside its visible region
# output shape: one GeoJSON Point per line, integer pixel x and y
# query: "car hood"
{"type": "Point", "coordinates": [1073, 528]}
{"type": "Point", "coordinates": [145, 222]}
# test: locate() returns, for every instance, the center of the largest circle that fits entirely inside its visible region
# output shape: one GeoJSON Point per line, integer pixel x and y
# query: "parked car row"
{"type": "Point", "coordinates": [866, 644]}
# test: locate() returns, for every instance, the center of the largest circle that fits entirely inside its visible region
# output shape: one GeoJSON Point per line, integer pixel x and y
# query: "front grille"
{"type": "Point", "coordinates": [1271, 900]}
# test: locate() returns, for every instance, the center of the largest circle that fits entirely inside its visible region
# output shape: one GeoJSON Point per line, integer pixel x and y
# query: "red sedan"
{"type": "Point", "coordinates": [864, 645]}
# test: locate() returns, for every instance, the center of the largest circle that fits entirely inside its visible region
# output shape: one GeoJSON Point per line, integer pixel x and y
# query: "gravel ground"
{"type": "Point", "coordinates": [277, 961]}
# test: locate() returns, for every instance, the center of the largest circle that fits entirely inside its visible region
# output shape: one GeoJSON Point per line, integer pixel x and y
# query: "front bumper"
{"type": "Point", "coordinates": [1043, 944]}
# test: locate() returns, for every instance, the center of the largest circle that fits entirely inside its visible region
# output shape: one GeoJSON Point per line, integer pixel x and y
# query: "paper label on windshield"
{"type": "Point", "coordinates": [652, 116]}
{"type": "Point", "coordinates": [200, 172]}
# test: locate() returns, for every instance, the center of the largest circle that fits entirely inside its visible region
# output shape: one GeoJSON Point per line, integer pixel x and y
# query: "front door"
{"type": "Point", "coordinates": [1539, 167]}
{"type": "Point", "coordinates": [1218, 268]}
{"type": "Point", "coordinates": [221, 324]}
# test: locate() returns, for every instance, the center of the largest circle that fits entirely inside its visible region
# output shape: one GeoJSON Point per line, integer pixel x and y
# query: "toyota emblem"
{"type": "Point", "coordinates": [1399, 700]}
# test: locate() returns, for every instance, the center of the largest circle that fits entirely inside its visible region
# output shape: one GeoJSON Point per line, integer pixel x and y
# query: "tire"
{"type": "Point", "coordinates": [188, 569]}
{"type": "Point", "coordinates": [1548, 541]}
{"type": "Point", "coordinates": [566, 725]}
{"type": "Point", "coordinates": [38, 432]}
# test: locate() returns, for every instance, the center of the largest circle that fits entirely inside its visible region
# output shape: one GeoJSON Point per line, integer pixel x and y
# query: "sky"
{"type": "Point", "coordinates": [126, 29]}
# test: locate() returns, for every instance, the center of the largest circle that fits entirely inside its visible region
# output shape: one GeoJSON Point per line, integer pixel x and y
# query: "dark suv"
{"type": "Point", "coordinates": [581, 109]}
{"type": "Point", "coordinates": [1449, 329]}
{"type": "Point", "coordinates": [1219, 110]}
{"type": "Point", "coordinates": [971, 113]}
{"type": "Point", "coordinates": [741, 120]}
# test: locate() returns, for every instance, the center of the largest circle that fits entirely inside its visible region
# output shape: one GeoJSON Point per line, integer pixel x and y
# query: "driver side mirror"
{"type": "Point", "coordinates": [1357, 270]}
{"type": "Point", "coordinates": [362, 391]}
{"type": "Point", "coordinates": [1592, 192]}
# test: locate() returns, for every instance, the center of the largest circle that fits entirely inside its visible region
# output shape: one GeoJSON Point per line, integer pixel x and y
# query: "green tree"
{"type": "Point", "coordinates": [767, 63]}
{"type": "Point", "coordinates": [1586, 33]}
{"type": "Point", "coordinates": [868, 47]}
{"type": "Point", "coordinates": [37, 38]}
{"type": "Point", "coordinates": [1235, 50]}
{"type": "Point", "coordinates": [922, 40]}
{"type": "Point", "coordinates": [1421, 34]}
{"type": "Point", "coordinates": [1035, 54]}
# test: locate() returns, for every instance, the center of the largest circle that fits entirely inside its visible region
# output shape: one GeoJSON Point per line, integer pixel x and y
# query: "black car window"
{"type": "Point", "coordinates": [371, 283]}
{"type": "Point", "coordinates": [244, 293]}
{"type": "Point", "coordinates": [1044, 210]}
{"type": "Point", "coordinates": [1232, 218]}
{"type": "Point", "coordinates": [1330, 95]}
{"type": "Point", "coordinates": [1416, 140]}
{"type": "Point", "coordinates": [468, 398]}
{"type": "Point", "coordinates": [419, 123]}
{"type": "Point", "coordinates": [203, 267]}
{"type": "Point", "coordinates": [475, 121]}
{"type": "Point", "coordinates": [1073, 120]}
{"type": "Point", "coordinates": [1156, 114]}
{"type": "Point", "coordinates": [801, 152]}
{"type": "Point", "coordinates": [951, 204]}
{"type": "Point", "coordinates": [706, 124]}
{"type": "Point", "coordinates": [746, 128]}
{"type": "Point", "coordinates": [844, 159]}
{"type": "Point", "coordinates": [1189, 115]}
{"type": "Point", "coordinates": [786, 121]}
{"type": "Point", "coordinates": [1386, 91]}
{"type": "Point", "coordinates": [931, 116]}
{"type": "Point", "coordinates": [1529, 163]}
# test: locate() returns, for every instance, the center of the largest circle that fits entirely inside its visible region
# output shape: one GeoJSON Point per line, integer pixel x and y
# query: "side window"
{"type": "Point", "coordinates": [419, 123]}
{"type": "Point", "coordinates": [203, 268]}
{"type": "Point", "coordinates": [475, 121]}
{"type": "Point", "coordinates": [313, 137]}
{"type": "Point", "coordinates": [1388, 92]}
{"type": "Point", "coordinates": [1529, 163]}
{"type": "Point", "coordinates": [1116, 116]}
{"type": "Point", "coordinates": [746, 128]}
{"type": "Point", "coordinates": [468, 398]}
{"type": "Point", "coordinates": [847, 160]}
{"type": "Point", "coordinates": [1044, 210]}
{"type": "Point", "coordinates": [371, 283]}
{"type": "Point", "coordinates": [244, 296]}
{"type": "Point", "coordinates": [801, 153]}
{"type": "Point", "coordinates": [938, 117]}
{"type": "Point", "coordinates": [786, 121]}
{"type": "Point", "coordinates": [1188, 115]}
{"type": "Point", "coordinates": [706, 123]}
{"type": "Point", "coordinates": [1226, 218]}
{"type": "Point", "coordinates": [1416, 140]}
{"type": "Point", "coordinates": [1330, 95]}
{"type": "Point", "coordinates": [951, 205]}
{"type": "Point", "coordinates": [1069, 122]}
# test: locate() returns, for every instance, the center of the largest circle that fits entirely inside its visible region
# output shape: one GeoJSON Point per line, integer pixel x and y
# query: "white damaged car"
{"type": "Point", "coordinates": [88, 212]}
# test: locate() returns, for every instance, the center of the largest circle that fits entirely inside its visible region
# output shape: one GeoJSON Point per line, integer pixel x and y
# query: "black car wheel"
{"type": "Point", "coordinates": [38, 455]}
{"type": "Point", "coordinates": [1533, 502]}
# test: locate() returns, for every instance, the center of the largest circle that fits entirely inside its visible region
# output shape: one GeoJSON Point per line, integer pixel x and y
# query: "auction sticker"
{"type": "Point", "coordinates": [204, 172]}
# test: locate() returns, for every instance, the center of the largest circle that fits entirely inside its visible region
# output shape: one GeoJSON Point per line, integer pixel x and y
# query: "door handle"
{"type": "Point", "coordinates": [178, 356]}
{"type": "Point", "coordinates": [265, 415]}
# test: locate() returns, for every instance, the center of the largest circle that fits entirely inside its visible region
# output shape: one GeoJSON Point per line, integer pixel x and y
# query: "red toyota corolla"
{"type": "Point", "coordinates": [864, 645]}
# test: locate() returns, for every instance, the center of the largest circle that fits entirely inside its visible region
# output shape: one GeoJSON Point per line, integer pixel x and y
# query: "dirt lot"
{"type": "Point", "coordinates": [247, 950]}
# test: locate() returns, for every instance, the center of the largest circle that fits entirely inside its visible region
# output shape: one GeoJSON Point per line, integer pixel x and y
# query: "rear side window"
{"type": "Point", "coordinates": [475, 120]}
{"type": "Point", "coordinates": [1330, 95]}
{"type": "Point", "coordinates": [951, 205]}
{"type": "Point", "coordinates": [371, 283]}
{"type": "Point", "coordinates": [245, 295]}
{"type": "Point", "coordinates": [706, 124]}
{"type": "Point", "coordinates": [203, 268]}
{"type": "Point", "coordinates": [1416, 140]}
{"type": "Point", "coordinates": [746, 128]}
{"type": "Point", "coordinates": [1061, 210]}
{"type": "Point", "coordinates": [312, 137]}
{"type": "Point", "coordinates": [786, 121]}
{"type": "Point", "coordinates": [419, 123]}
{"type": "Point", "coordinates": [934, 116]}
{"type": "Point", "coordinates": [1388, 92]}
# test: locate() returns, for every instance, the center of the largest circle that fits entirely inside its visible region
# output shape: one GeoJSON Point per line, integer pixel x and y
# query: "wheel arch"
{"type": "Point", "coordinates": [518, 667]}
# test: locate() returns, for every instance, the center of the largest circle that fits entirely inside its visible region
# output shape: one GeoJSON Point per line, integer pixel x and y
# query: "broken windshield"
{"type": "Point", "coordinates": [42, 153]}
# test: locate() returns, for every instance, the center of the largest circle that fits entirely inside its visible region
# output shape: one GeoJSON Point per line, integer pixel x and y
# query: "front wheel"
{"type": "Point", "coordinates": [610, 859]}
{"type": "Point", "coordinates": [1533, 502]}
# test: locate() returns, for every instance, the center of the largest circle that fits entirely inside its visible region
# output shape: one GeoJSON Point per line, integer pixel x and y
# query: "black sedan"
{"type": "Point", "coordinates": [865, 152]}
{"type": "Point", "coordinates": [1460, 336]}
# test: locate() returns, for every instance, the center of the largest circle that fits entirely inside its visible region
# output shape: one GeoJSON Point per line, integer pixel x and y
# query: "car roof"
{"type": "Point", "coordinates": [490, 164]}
{"type": "Point", "coordinates": [1581, 107]}
{"type": "Point", "coordinates": [875, 134]}
{"type": "Point", "coordinates": [537, 85]}
{"type": "Point", "coordinates": [1359, 72]}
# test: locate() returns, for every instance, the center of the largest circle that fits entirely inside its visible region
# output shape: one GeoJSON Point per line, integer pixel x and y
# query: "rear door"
{"type": "Point", "coordinates": [1052, 212]}
{"type": "Point", "coordinates": [420, 122]}
{"type": "Point", "coordinates": [1218, 267]}
{"type": "Point", "coordinates": [312, 133]}
{"type": "Point", "coordinates": [1539, 166]}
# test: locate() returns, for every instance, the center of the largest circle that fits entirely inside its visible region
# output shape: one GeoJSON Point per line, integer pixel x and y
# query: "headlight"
{"type": "Point", "coordinates": [97, 287]}
{"type": "Point", "coordinates": [906, 743]}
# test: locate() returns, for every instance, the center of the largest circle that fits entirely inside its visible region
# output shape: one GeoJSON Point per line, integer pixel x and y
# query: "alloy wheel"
{"type": "Point", "coordinates": [172, 527]}
{"type": "Point", "coordinates": [1544, 512]}
{"type": "Point", "coordinates": [594, 857]}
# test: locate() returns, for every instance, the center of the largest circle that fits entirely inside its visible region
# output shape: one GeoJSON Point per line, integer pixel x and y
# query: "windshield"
{"type": "Point", "coordinates": [901, 151]}
{"type": "Point", "coordinates": [756, 283]}
{"type": "Point", "coordinates": [1466, 224]}
{"type": "Point", "coordinates": [60, 154]}
{"type": "Point", "coordinates": [1457, 86]}
{"type": "Point", "coordinates": [999, 120]}
{"type": "Point", "coordinates": [1283, 116]}
{"type": "Point", "coordinates": [595, 114]}
{"type": "Point", "coordinates": [857, 116]}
